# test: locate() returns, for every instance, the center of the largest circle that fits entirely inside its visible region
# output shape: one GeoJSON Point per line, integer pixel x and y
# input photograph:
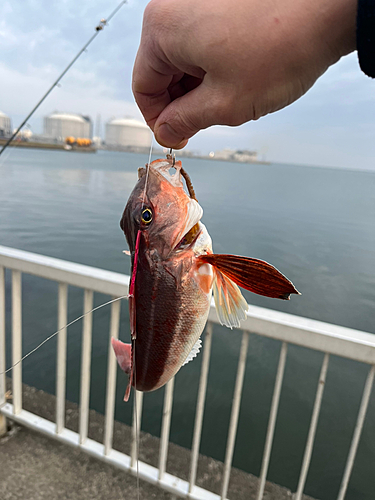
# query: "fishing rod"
{"type": "Point", "coordinates": [102, 24]}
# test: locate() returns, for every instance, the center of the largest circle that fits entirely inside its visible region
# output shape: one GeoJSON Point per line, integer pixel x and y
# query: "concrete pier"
{"type": "Point", "coordinates": [35, 467]}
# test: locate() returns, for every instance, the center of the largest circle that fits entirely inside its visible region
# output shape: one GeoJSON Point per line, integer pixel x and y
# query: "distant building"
{"type": "Point", "coordinates": [97, 141]}
{"type": "Point", "coordinates": [62, 125]}
{"type": "Point", "coordinates": [24, 134]}
{"type": "Point", "coordinates": [127, 133]}
{"type": "Point", "coordinates": [242, 155]}
{"type": "Point", "coordinates": [5, 125]}
{"type": "Point", "coordinates": [245, 155]}
{"type": "Point", "coordinates": [223, 154]}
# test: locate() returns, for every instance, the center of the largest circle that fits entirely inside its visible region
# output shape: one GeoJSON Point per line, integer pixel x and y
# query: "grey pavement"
{"type": "Point", "coordinates": [36, 467]}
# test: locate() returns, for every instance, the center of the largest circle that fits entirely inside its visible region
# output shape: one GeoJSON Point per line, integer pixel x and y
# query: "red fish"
{"type": "Point", "coordinates": [174, 272]}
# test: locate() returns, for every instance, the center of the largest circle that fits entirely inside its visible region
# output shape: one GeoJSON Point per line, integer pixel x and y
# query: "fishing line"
{"type": "Point", "coordinates": [136, 424]}
{"type": "Point", "coordinates": [58, 331]}
{"type": "Point", "coordinates": [102, 24]}
{"type": "Point", "coordinates": [147, 170]}
{"type": "Point", "coordinates": [134, 342]}
{"type": "Point", "coordinates": [134, 339]}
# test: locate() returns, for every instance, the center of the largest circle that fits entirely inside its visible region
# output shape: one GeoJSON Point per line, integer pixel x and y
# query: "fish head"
{"type": "Point", "coordinates": [161, 209]}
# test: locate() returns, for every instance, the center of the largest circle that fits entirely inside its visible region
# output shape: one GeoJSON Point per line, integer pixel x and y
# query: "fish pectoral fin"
{"type": "Point", "coordinates": [123, 354]}
{"type": "Point", "coordinates": [254, 275]}
{"type": "Point", "coordinates": [194, 352]}
{"type": "Point", "coordinates": [230, 305]}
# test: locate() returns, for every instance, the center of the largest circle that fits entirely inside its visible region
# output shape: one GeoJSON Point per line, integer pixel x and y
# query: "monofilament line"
{"type": "Point", "coordinates": [134, 342]}
{"type": "Point", "coordinates": [147, 170]}
{"type": "Point", "coordinates": [136, 421]}
{"type": "Point", "coordinates": [58, 331]}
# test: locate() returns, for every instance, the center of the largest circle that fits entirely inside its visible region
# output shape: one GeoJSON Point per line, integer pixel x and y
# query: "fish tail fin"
{"type": "Point", "coordinates": [230, 305]}
{"type": "Point", "coordinates": [254, 275]}
{"type": "Point", "coordinates": [123, 354]}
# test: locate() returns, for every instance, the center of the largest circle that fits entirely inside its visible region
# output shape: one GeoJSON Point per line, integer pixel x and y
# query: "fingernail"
{"type": "Point", "coordinates": [168, 137]}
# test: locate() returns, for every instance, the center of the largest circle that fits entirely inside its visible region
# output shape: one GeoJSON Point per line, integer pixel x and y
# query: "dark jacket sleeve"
{"type": "Point", "coordinates": [366, 36]}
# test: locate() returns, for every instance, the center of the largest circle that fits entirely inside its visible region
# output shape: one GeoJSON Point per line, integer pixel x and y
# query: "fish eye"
{"type": "Point", "coordinates": [146, 216]}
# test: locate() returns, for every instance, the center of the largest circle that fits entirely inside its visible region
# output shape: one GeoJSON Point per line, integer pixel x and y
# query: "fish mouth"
{"type": "Point", "coordinates": [190, 228]}
{"type": "Point", "coordinates": [188, 240]}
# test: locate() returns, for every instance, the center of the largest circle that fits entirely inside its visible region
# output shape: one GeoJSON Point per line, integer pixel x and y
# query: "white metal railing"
{"type": "Point", "coordinates": [289, 329]}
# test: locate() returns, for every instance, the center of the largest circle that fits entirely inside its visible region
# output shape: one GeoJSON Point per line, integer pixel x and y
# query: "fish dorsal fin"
{"type": "Point", "coordinates": [230, 305]}
{"type": "Point", "coordinates": [254, 275]}
{"type": "Point", "coordinates": [194, 352]}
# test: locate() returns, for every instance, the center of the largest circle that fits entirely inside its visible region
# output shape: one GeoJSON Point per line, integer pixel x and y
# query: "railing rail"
{"type": "Point", "coordinates": [289, 329]}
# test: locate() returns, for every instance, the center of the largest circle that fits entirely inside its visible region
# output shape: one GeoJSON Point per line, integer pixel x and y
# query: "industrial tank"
{"type": "Point", "coordinates": [5, 125]}
{"type": "Point", "coordinates": [127, 133]}
{"type": "Point", "coordinates": [61, 125]}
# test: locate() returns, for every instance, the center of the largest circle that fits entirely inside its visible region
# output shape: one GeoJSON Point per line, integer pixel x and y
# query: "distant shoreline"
{"type": "Point", "coordinates": [47, 145]}
{"type": "Point", "coordinates": [130, 149]}
{"type": "Point", "coordinates": [180, 153]}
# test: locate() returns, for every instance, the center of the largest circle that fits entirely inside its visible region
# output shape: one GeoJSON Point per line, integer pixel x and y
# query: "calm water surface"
{"type": "Point", "coordinates": [316, 225]}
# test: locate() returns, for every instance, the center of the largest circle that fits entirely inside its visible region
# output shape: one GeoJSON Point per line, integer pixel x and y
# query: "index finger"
{"type": "Point", "coordinates": [150, 85]}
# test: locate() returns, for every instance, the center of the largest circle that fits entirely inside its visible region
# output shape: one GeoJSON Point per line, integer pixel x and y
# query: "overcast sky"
{"type": "Point", "coordinates": [333, 124]}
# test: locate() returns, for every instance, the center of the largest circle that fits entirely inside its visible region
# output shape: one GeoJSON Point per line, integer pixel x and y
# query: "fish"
{"type": "Point", "coordinates": [174, 273]}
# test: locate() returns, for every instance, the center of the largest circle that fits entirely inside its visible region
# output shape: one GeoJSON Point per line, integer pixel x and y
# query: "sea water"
{"type": "Point", "coordinates": [316, 225]}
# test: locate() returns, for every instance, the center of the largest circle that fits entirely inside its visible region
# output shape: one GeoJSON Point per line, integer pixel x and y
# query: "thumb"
{"type": "Point", "coordinates": [184, 117]}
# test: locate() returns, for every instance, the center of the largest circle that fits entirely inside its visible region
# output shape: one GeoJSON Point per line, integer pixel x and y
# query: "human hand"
{"type": "Point", "coordinates": [210, 62]}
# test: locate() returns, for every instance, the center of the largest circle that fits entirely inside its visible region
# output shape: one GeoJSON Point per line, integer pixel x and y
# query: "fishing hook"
{"type": "Point", "coordinates": [184, 174]}
{"type": "Point", "coordinates": [171, 156]}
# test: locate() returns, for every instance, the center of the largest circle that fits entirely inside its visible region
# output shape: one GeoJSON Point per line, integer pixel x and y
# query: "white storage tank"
{"type": "Point", "coordinates": [5, 125]}
{"type": "Point", "coordinates": [62, 125]}
{"type": "Point", "coordinates": [127, 132]}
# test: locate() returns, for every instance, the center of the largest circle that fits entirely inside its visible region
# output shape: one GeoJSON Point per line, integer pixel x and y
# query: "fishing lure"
{"type": "Point", "coordinates": [174, 272]}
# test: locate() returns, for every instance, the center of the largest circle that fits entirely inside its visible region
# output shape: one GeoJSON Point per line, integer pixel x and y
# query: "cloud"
{"type": "Point", "coordinates": [333, 124]}
{"type": "Point", "coordinates": [42, 37]}
{"type": "Point", "coordinates": [80, 95]}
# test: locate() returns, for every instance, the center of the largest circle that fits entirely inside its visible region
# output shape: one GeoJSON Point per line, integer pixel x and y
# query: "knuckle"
{"type": "Point", "coordinates": [225, 106]}
{"type": "Point", "coordinates": [151, 10]}
{"type": "Point", "coordinates": [156, 11]}
{"type": "Point", "coordinates": [234, 111]}
{"type": "Point", "coordinates": [187, 122]}
{"type": "Point", "coordinates": [160, 21]}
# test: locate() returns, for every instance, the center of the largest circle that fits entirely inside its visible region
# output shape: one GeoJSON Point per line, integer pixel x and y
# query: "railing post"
{"type": "Point", "coordinates": [2, 337]}
{"type": "Point", "coordinates": [357, 433]}
{"type": "Point", "coordinates": [200, 406]}
{"type": "Point", "coordinates": [62, 320]}
{"type": "Point", "coordinates": [166, 425]}
{"type": "Point", "coordinates": [3, 424]}
{"type": "Point", "coordinates": [17, 341]}
{"type": "Point", "coordinates": [312, 430]}
{"type": "Point", "coordinates": [85, 366]}
{"type": "Point", "coordinates": [234, 415]}
{"type": "Point", "coordinates": [136, 428]}
{"type": "Point", "coordinates": [111, 378]}
{"type": "Point", "coordinates": [272, 420]}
